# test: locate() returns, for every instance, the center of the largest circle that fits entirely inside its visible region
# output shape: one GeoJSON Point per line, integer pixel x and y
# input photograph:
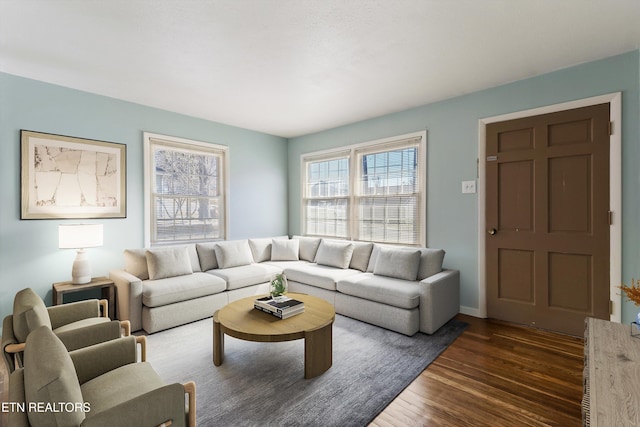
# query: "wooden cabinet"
{"type": "Point", "coordinates": [611, 375]}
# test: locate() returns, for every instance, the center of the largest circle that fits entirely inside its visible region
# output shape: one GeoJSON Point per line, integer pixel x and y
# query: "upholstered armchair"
{"type": "Point", "coordinates": [78, 324]}
{"type": "Point", "coordinates": [100, 385]}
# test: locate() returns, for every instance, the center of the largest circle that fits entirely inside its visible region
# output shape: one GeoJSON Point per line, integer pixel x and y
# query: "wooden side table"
{"type": "Point", "coordinates": [104, 283]}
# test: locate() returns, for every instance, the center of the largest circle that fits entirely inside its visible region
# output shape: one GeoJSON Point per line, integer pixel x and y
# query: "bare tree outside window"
{"type": "Point", "coordinates": [187, 194]}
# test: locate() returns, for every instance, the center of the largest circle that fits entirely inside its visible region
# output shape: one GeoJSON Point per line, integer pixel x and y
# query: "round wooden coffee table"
{"type": "Point", "coordinates": [240, 320]}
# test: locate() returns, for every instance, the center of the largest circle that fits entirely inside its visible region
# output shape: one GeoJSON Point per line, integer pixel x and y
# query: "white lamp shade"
{"type": "Point", "coordinates": [78, 236]}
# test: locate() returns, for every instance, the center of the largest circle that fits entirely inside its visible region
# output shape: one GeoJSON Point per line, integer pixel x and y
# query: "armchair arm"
{"type": "Point", "coordinates": [439, 300]}
{"type": "Point", "coordinates": [11, 348]}
{"type": "Point", "coordinates": [64, 314]}
{"type": "Point", "coordinates": [129, 297]}
{"type": "Point", "coordinates": [163, 405]}
{"type": "Point", "coordinates": [190, 389]}
{"type": "Point", "coordinates": [98, 359]}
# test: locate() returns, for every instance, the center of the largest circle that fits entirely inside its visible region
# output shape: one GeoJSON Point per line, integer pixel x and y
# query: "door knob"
{"type": "Point", "coordinates": [493, 231]}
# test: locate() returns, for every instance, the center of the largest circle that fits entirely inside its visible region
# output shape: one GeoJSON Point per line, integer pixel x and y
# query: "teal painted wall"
{"type": "Point", "coordinates": [452, 135]}
{"type": "Point", "coordinates": [29, 254]}
{"type": "Point", "coordinates": [265, 170]}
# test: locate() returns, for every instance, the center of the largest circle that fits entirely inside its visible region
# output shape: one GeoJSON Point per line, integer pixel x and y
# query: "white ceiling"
{"type": "Point", "coordinates": [293, 67]}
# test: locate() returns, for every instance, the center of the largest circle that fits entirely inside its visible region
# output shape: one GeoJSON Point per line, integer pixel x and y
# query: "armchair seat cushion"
{"type": "Point", "coordinates": [120, 385]}
{"type": "Point", "coordinates": [245, 275]}
{"type": "Point", "coordinates": [157, 293]}
{"type": "Point", "coordinates": [386, 290]}
{"type": "Point", "coordinates": [321, 276]}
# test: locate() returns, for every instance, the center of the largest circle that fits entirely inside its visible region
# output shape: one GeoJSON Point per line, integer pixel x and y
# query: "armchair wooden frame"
{"type": "Point", "coordinates": [13, 350]}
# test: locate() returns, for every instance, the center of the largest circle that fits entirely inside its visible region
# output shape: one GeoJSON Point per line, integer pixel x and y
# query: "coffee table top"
{"type": "Point", "coordinates": [240, 320]}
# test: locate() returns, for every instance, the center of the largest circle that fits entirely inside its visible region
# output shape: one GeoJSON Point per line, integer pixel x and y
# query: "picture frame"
{"type": "Point", "coordinates": [68, 177]}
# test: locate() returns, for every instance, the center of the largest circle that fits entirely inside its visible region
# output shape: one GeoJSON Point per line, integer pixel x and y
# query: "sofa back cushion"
{"type": "Point", "coordinates": [334, 253]}
{"type": "Point", "coordinates": [430, 262]}
{"type": "Point", "coordinates": [29, 313]}
{"type": "Point", "coordinates": [50, 377]}
{"type": "Point", "coordinates": [207, 255]}
{"type": "Point", "coordinates": [135, 262]}
{"type": "Point", "coordinates": [261, 248]}
{"type": "Point", "coordinates": [285, 250]}
{"type": "Point", "coordinates": [361, 255]}
{"type": "Point", "coordinates": [308, 247]}
{"type": "Point", "coordinates": [233, 253]}
{"type": "Point", "coordinates": [168, 262]}
{"type": "Point", "coordinates": [398, 263]}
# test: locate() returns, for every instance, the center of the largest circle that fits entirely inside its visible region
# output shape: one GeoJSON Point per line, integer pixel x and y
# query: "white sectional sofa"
{"type": "Point", "coordinates": [401, 288]}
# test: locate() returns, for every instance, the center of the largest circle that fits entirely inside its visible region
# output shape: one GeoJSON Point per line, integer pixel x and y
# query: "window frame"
{"type": "Point", "coordinates": [354, 153]}
{"type": "Point", "coordinates": [150, 139]}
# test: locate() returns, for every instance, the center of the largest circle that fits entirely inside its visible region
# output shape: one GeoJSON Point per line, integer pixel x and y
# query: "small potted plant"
{"type": "Point", "coordinates": [278, 285]}
{"type": "Point", "coordinates": [633, 294]}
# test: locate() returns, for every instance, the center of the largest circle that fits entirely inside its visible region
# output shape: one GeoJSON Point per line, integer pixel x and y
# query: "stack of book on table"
{"type": "Point", "coordinates": [282, 306]}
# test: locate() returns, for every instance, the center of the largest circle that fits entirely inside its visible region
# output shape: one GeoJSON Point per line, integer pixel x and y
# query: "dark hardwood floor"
{"type": "Point", "coordinates": [494, 374]}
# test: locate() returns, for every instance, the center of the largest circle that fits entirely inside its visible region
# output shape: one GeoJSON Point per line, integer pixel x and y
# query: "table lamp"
{"type": "Point", "coordinates": [80, 237]}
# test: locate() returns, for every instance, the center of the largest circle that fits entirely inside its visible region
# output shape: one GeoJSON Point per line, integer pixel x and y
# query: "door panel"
{"type": "Point", "coordinates": [547, 252]}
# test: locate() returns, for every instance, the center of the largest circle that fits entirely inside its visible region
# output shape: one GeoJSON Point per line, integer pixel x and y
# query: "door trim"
{"type": "Point", "coordinates": [615, 195]}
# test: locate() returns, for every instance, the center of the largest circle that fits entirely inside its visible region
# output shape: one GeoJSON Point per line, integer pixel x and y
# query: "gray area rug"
{"type": "Point", "coordinates": [262, 384]}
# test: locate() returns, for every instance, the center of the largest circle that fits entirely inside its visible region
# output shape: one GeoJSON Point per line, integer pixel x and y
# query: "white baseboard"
{"type": "Point", "coordinates": [470, 311]}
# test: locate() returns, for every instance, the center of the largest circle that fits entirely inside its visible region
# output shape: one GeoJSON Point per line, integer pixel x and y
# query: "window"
{"type": "Point", "coordinates": [372, 192]}
{"type": "Point", "coordinates": [185, 190]}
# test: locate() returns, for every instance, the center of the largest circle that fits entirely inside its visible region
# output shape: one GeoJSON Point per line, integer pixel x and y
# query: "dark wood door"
{"type": "Point", "coordinates": [547, 219]}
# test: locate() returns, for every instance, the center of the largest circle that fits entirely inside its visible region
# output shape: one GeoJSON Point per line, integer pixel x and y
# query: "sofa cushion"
{"type": "Point", "coordinates": [233, 253]}
{"type": "Point", "coordinates": [320, 276]}
{"type": "Point", "coordinates": [29, 313]}
{"type": "Point", "coordinates": [430, 262]}
{"type": "Point", "coordinates": [246, 275]}
{"type": "Point", "coordinates": [334, 254]}
{"type": "Point", "coordinates": [398, 263]}
{"type": "Point", "coordinates": [260, 249]}
{"type": "Point", "coordinates": [135, 262]}
{"type": "Point", "coordinates": [50, 377]}
{"type": "Point", "coordinates": [207, 255]}
{"type": "Point", "coordinates": [156, 293]}
{"type": "Point", "coordinates": [361, 255]}
{"type": "Point", "coordinates": [385, 290]}
{"type": "Point", "coordinates": [168, 262]}
{"type": "Point", "coordinates": [193, 257]}
{"type": "Point", "coordinates": [308, 247]}
{"type": "Point", "coordinates": [285, 250]}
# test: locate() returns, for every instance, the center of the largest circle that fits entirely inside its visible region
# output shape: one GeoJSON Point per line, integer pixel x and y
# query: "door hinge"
{"type": "Point", "coordinates": [610, 128]}
{"type": "Point", "coordinates": [610, 217]}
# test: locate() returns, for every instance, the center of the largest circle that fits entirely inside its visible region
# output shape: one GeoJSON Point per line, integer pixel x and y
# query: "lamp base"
{"type": "Point", "coordinates": [81, 271]}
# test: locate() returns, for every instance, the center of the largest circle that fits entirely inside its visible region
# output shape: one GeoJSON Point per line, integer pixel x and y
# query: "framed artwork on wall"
{"type": "Point", "coordinates": [68, 177]}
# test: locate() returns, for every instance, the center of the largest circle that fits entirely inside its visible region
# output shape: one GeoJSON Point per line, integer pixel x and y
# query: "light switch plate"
{"type": "Point", "coordinates": [468, 187]}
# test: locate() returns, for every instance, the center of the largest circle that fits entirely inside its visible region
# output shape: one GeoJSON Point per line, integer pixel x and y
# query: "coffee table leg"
{"type": "Point", "coordinates": [218, 342]}
{"type": "Point", "coordinates": [318, 351]}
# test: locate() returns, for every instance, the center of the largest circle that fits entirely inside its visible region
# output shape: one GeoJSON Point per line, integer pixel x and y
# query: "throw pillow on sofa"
{"type": "Point", "coordinates": [398, 263]}
{"type": "Point", "coordinates": [334, 254]}
{"type": "Point", "coordinates": [308, 247]}
{"type": "Point", "coordinates": [284, 250]}
{"type": "Point", "coordinates": [168, 262]}
{"type": "Point", "coordinates": [207, 255]}
{"type": "Point", "coordinates": [233, 253]}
